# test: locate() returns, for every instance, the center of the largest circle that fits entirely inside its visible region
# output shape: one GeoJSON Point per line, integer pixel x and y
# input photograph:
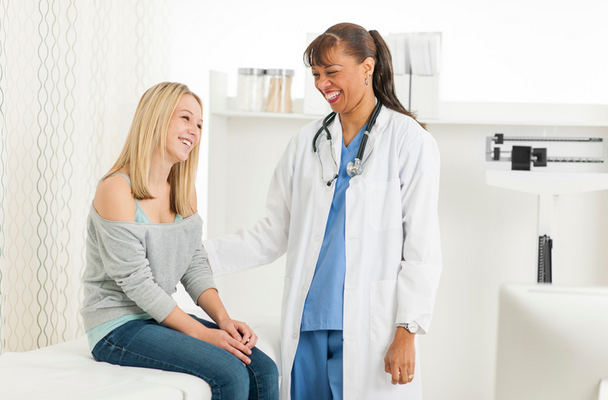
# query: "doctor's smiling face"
{"type": "Point", "coordinates": [341, 80]}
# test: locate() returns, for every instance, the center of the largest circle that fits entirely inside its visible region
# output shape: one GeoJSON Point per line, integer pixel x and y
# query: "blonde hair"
{"type": "Point", "coordinates": [148, 133]}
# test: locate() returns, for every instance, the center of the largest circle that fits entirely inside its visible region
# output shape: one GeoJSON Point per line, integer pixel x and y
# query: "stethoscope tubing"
{"type": "Point", "coordinates": [352, 168]}
{"type": "Point", "coordinates": [326, 121]}
{"type": "Point", "coordinates": [370, 126]}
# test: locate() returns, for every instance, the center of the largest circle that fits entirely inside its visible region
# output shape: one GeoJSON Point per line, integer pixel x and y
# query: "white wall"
{"type": "Point", "coordinates": [493, 50]}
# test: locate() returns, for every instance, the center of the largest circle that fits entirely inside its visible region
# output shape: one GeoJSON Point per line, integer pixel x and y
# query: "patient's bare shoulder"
{"type": "Point", "coordinates": [114, 199]}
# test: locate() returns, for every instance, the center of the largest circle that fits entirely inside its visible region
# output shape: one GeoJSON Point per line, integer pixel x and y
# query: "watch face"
{"type": "Point", "coordinates": [412, 327]}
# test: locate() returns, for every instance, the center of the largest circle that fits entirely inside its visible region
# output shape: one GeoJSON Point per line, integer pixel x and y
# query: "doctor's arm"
{"type": "Point", "coordinates": [421, 266]}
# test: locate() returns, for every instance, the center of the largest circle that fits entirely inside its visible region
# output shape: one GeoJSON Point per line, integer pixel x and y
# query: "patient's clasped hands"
{"type": "Point", "coordinates": [235, 337]}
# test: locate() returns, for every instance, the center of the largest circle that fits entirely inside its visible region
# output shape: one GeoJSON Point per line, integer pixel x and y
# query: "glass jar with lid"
{"type": "Point", "coordinates": [278, 89]}
{"type": "Point", "coordinates": [250, 89]}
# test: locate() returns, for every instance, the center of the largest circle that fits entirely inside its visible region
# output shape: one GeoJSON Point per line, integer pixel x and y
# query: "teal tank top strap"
{"type": "Point", "coordinates": [123, 175]}
{"type": "Point", "coordinates": [140, 215]}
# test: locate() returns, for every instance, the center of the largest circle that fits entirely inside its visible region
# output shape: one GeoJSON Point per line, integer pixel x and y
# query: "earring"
{"type": "Point", "coordinates": [366, 80]}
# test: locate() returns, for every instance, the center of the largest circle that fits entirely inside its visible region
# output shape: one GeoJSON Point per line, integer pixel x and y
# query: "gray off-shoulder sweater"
{"type": "Point", "coordinates": [134, 267]}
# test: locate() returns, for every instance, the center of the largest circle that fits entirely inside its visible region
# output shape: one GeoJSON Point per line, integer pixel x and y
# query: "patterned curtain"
{"type": "Point", "coordinates": [71, 73]}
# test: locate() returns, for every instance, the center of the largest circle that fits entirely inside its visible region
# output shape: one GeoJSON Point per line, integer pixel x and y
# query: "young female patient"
{"type": "Point", "coordinates": [144, 235]}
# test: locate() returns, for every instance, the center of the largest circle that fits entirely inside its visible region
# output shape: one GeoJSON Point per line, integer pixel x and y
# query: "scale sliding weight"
{"type": "Point", "coordinates": [522, 157]}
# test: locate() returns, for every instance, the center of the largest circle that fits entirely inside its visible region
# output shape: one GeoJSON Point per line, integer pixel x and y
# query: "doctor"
{"type": "Point", "coordinates": [363, 251]}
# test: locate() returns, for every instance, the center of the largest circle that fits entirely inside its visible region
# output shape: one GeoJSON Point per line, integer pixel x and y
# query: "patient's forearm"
{"type": "Point", "coordinates": [210, 302]}
{"type": "Point", "coordinates": [182, 322]}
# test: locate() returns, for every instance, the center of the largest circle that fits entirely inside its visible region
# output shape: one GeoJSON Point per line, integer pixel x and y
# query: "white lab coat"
{"type": "Point", "coordinates": [393, 256]}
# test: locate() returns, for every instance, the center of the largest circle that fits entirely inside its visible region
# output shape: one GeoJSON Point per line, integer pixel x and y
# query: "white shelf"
{"type": "Point", "coordinates": [450, 113]}
{"type": "Point", "coordinates": [549, 115]}
{"type": "Point", "coordinates": [547, 183]}
{"type": "Point", "coordinates": [522, 114]}
{"type": "Point", "coordinates": [249, 114]}
{"type": "Point", "coordinates": [517, 122]}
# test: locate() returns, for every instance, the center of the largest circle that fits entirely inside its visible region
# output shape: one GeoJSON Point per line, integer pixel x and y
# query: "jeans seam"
{"type": "Point", "coordinates": [257, 382]}
{"type": "Point", "coordinates": [211, 382]}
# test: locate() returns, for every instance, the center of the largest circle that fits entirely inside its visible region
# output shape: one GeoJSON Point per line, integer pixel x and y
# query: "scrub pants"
{"type": "Point", "coordinates": [317, 367]}
{"type": "Point", "coordinates": [149, 344]}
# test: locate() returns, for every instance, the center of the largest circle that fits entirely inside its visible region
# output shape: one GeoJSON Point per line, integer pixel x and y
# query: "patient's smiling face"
{"type": "Point", "coordinates": [184, 131]}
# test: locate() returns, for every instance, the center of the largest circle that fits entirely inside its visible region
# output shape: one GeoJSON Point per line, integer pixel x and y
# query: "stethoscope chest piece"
{"type": "Point", "coordinates": [354, 168]}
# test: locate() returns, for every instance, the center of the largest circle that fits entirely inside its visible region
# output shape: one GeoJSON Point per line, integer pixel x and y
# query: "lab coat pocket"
{"type": "Point", "coordinates": [384, 205]}
{"type": "Point", "coordinates": [382, 312]}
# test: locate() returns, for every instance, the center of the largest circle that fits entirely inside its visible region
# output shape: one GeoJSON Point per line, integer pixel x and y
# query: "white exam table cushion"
{"type": "Point", "coordinates": [68, 371]}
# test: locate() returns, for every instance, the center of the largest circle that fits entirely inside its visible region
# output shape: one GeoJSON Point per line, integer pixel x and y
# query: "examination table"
{"type": "Point", "coordinates": [68, 371]}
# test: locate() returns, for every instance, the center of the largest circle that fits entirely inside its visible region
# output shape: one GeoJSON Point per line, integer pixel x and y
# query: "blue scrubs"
{"type": "Point", "coordinates": [317, 368]}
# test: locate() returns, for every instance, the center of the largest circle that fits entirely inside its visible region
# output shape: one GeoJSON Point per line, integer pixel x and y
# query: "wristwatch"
{"type": "Point", "coordinates": [411, 327]}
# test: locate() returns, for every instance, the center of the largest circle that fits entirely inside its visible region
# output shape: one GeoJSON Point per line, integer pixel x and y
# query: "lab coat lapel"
{"type": "Point", "coordinates": [377, 130]}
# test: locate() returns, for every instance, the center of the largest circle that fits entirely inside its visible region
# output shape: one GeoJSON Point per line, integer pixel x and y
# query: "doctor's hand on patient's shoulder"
{"type": "Point", "coordinates": [400, 359]}
{"type": "Point", "coordinates": [239, 331]}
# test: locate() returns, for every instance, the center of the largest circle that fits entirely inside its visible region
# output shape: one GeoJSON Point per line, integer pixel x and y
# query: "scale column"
{"type": "Point", "coordinates": [547, 205]}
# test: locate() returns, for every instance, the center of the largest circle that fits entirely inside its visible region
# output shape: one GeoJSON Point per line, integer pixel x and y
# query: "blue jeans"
{"type": "Point", "coordinates": [150, 344]}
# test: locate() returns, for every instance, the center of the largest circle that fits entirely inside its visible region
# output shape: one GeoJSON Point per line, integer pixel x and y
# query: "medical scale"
{"type": "Point", "coordinates": [525, 175]}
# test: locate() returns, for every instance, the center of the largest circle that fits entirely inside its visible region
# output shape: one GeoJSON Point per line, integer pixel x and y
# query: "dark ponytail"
{"type": "Point", "coordinates": [384, 84]}
{"type": "Point", "coordinates": [360, 44]}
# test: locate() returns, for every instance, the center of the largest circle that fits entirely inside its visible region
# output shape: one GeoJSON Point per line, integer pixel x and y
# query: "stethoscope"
{"type": "Point", "coordinates": [353, 168]}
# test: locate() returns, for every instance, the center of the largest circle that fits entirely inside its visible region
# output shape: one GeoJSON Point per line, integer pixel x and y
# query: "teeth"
{"type": "Point", "coordinates": [186, 142]}
{"type": "Point", "coordinates": [332, 95]}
